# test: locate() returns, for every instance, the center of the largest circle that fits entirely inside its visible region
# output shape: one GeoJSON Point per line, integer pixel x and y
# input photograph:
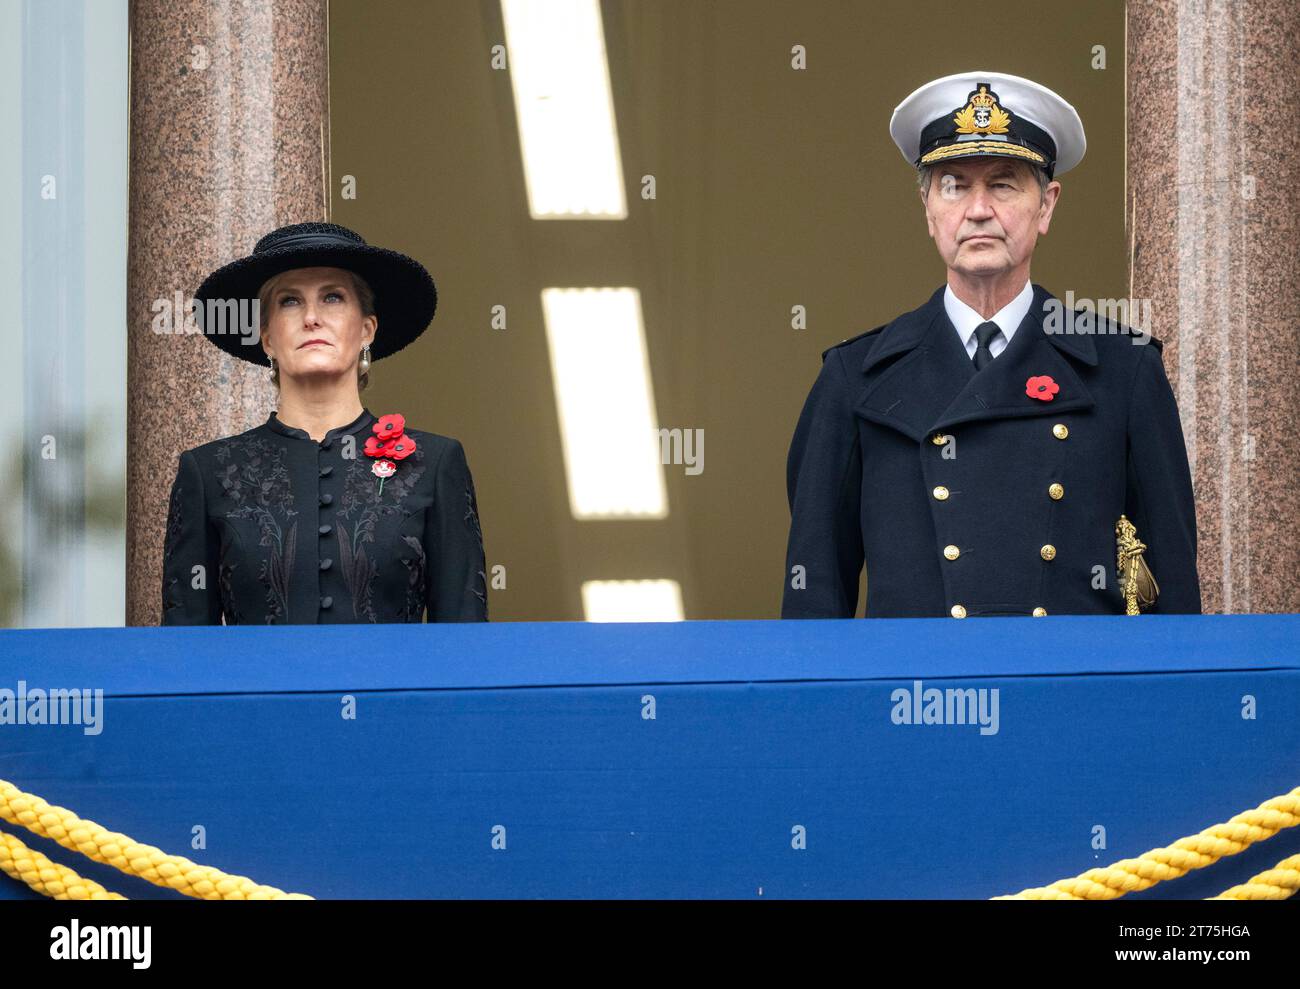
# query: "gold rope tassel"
{"type": "Point", "coordinates": [45, 876]}
{"type": "Point", "coordinates": [1136, 581]}
{"type": "Point", "coordinates": [1277, 883]}
{"type": "Point", "coordinates": [1178, 859]}
{"type": "Point", "coordinates": [127, 855]}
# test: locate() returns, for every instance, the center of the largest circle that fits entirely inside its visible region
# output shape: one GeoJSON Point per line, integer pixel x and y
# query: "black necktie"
{"type": "Point", "coordinates": [984, 334]}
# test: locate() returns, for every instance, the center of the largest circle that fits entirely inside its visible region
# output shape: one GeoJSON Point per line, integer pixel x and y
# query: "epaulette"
{"type": "Point", "coordinates": [1114, 326]}
{"type": "Point", "coordinates": [1150, 338]}
{"type": "Point", "coordinates": [851, 340]}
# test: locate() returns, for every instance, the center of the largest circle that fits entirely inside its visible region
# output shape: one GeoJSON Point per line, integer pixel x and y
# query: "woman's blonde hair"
{"type": "Point", "coordinates": [365, 299]}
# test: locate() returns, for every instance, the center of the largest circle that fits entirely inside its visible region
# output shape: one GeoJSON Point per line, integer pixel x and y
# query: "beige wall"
{"type": "Point", "coordinates": [775, 188]}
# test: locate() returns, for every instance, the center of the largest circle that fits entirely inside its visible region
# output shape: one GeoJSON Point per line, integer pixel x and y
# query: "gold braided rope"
{"type": "Point", "coordinates": [127, 855]}
{"type": "Point", "coordinates": [45, 876]}
{"type": "Point", "coordinates": [1178, 859]}
{"type": "Point", "coordinates": [1276, 883]}
{"type": "Point", "coordinates": [205, 882]}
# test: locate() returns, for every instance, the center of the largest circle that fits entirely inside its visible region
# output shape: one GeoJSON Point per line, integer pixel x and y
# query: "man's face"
{"type": "Point", "coordinates": [984, 214]}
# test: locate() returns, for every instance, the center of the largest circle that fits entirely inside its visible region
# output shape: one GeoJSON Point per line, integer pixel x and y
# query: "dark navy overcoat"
{"type": "Point", "coordinates": [965, 496]}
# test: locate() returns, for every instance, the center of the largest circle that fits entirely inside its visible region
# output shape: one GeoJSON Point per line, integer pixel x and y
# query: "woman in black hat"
{"type": "Point", "coordinates": [325, 513]}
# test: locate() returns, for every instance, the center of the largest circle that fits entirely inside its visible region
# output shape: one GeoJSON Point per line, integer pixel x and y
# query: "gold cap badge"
{"type": "Point", "coordinates": [982, 115]}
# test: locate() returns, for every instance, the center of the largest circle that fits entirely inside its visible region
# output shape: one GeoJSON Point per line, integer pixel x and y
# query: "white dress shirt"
{"type": "Point", "coordinates": [967, 319]}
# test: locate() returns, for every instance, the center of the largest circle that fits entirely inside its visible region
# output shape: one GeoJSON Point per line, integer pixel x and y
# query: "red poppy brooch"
{"type": "Point", "coordinates": [1042, 387]}
{"type": "Point", "coordinates": [390, 443]}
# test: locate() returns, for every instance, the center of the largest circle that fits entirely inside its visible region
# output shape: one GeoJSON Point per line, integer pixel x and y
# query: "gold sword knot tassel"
{"type": "Point", "coordinates": [1135, 578]}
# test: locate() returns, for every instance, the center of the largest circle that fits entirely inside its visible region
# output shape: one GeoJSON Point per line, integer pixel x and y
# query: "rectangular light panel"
{"type": "Point", "coordinates": [605, 402]}
{"type": "Point", "coordinates": [567, 135]}
{"type": "Point", "coordinates": [632, 601]}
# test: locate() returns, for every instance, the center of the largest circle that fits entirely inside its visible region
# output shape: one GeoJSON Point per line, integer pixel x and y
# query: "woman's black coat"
{"type": "Point", "coordinates": [273, 527]}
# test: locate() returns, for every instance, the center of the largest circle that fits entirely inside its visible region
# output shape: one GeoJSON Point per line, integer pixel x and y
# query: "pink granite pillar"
{"type": "Point", "coordinates": [229, 139]}
{"type": "Point", "coordinates": [1213, 167]}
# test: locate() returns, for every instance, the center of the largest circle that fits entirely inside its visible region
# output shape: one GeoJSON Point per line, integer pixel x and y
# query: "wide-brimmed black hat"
{"type": "Point", "coordinates": [405, 296]}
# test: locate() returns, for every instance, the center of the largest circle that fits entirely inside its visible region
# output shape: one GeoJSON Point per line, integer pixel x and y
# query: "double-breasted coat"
{"type": "Point", "coordinates": [965, 496]}
{"type": "Point", "coordinates": [273, 527]}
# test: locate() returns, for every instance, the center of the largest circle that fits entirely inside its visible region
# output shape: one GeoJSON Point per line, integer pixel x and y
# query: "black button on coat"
{"type": "Point", "coordinates": [273, 527]}
{"type": "Point", "coordinates": [976, 524]}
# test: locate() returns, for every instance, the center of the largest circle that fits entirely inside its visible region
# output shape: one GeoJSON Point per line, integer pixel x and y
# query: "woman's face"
{"type": "Point", "coordinates": [314, 325]}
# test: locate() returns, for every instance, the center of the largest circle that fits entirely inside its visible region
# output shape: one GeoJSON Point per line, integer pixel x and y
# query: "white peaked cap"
{"type": "Point", "coordinates": [1012, 117]}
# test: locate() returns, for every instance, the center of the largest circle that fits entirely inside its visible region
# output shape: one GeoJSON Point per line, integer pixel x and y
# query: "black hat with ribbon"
{"type": "Point", "coordinates": [405, 296]}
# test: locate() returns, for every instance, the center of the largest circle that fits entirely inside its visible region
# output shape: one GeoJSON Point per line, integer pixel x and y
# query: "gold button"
{"type": "Point", "coordinates": [941, 493]}
{"type": "Point", "coordinates": [1059, 431]}
{"type": "Point", "coordinates": [1039, 612]}
{"type": "Point", "coordinates": [1047, 552]}
{"type": "Point", "coordinates": [1056, 492]}
{"type": "Point", "coordinates": [939, 439]}
{"type": "Point", "coordinates": [951, 551]}
{"type": "Point", "coordinates": [958, 611]}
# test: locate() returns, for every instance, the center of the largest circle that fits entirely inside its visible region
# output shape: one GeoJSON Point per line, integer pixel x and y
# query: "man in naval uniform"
{"type": "Point", "coordinates": [981, 454]}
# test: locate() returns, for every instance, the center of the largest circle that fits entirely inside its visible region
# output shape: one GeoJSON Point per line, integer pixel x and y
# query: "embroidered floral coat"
{"type": "Point", "coordinates": [273, 527]}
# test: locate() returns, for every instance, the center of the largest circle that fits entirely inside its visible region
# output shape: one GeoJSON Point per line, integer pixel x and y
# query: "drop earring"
{"type": "Point", "coordinates": [272, 359]}
{"type": "Point", "coordinates": [365, 358]}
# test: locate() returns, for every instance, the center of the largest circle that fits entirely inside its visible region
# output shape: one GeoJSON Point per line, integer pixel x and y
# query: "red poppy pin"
{"type": "Point", "coordinates": [389, 443]}
{"type": "Point", "coordinates": [1042, 387]}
